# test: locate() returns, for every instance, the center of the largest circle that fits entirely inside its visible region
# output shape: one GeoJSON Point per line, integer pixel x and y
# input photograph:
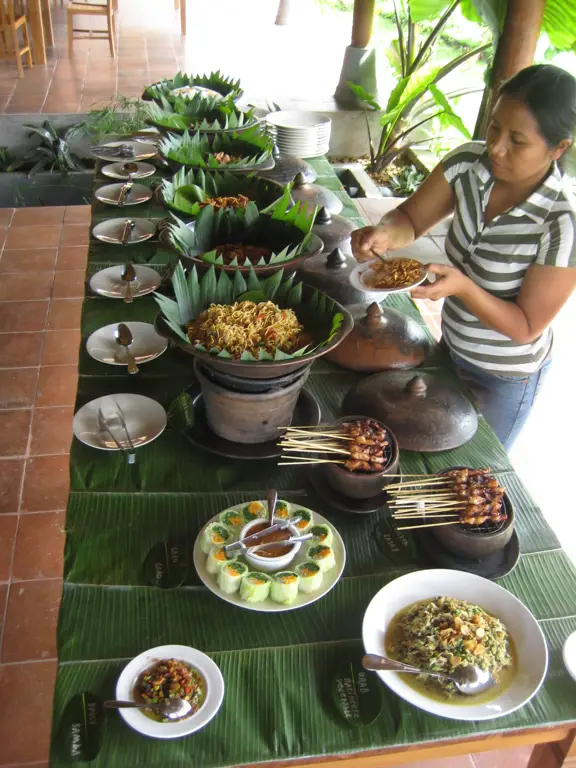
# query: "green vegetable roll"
{"type": "Point", "coordinates": [282, 510]}
{"type": "Point", "coordinates": [230, 576]}
{"type": "Point", "coordinates": [234, 520]}
{"type": "Point", "coordinates": [310, 576]}
{"type": "Point", "coordinates": [323, 556]}
{"type": "Point", "coordinates": [321, 534]}
{"type": "Point", "coordinates": [306, 520]}
{"type": "Point", "coordinates": [217, 557]}
{"type": "Point", "coordinates": [214, 535]}
{"type": "Point", "coordinates": [284, 587]}
{"type": "Point", "coordinates": [253, 511]}
{"type": "Point", "coordinates": [255, 587]}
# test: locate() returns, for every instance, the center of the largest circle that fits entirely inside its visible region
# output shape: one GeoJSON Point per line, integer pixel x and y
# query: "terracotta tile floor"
{"type": "Point", "coordinates": [39, 337]}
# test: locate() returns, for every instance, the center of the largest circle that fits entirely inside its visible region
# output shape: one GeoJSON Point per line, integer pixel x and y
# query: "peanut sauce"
{"type": "Point", "coordinates": [274, 536]}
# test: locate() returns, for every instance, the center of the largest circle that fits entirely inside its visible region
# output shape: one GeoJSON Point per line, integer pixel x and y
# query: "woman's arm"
{"type": "Point", "coordinates": [544, 291]}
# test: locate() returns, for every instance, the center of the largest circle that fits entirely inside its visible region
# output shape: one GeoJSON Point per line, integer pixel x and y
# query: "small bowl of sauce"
{"type": "Point", "coordinates": [274, 558]}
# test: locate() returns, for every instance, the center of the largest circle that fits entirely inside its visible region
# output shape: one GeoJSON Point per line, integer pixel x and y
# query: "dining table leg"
{"type": "Point", "coordinates": [37, 27]}
{"type": "Point", "coordinates": [183, 17]}
{"type": "Point", "coordinates": [555, 754]}
{"type": "Point", "coordinates": [47, 22]}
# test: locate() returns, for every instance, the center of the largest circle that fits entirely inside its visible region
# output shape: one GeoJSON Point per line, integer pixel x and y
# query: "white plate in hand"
{"type": "Point", "coordinates": [146, 344]}
{"type": "Point", "coordinates": [360, 273]}
{"type": "Point", "coordinates": [108, 282]}
{"type": "Point", "coordinates": [329, 580]}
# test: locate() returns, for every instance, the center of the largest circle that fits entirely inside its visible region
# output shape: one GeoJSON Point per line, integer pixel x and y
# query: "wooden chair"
{"type": "Point", "coordinates": [10, 22]}
{"type": "Point", "coordinates": [85, 8]}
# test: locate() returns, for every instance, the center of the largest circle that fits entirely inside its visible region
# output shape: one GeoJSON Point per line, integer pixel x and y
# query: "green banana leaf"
{"type": "Point", "coordinates": [226, 86]}
{"type": "Point", "coordinates": [193, 149]}
{"type": "Point", "coordinates": [200, 113]}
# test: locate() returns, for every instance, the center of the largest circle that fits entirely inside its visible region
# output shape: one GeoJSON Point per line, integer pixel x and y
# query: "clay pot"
{"type": "Point", "coordinates": [249, 417]}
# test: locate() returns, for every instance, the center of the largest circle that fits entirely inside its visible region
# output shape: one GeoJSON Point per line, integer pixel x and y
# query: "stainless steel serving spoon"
{"type": "Point", "coordinates": [128, 275]}
{"type": "Point", "coordinates": [124, 338]}
{"type": "Point", "coordinates": [173, 709]}
{"type": "Point", "coordinates": [272, 500]}
{"type": "Point", "coordinates": [468, 680]}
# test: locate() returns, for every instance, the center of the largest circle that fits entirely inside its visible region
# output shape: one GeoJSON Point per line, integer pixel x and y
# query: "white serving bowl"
{"type": "Point", "coordinates": [156, 730]}
{"type": "Point", "coordinates": [269, 564]}
{"type": "Point", "coordinates": [529, 644]}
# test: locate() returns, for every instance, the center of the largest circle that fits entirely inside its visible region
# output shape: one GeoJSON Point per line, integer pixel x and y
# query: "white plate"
{"type": "Point", "coordinates": [110, 194]}
{"type": "Point", "coordinates": [114, 171]}
{"type": "Point", "coordinates": [146, 344]}
{"type": "Point", "coordinates": [269, 606]}
{"type": "Point", "coordinates": [362, 271]}
{"type": "Point", "coordinates": [145, 420]}
{"type": "Point", "coordinates": [205, 666]}
{"type": "Point", "coordinates": [108, 282]}
{"type": "Point", "coordinates": [112, 230]}
{"type": "Point", "coordinates": [295, 120]}
{"type": "Point", "coordinates": [142, 151]}
{"type": "Point", "coordinates": [529, 642]}
{"type": "Point", "coordinates": [569, 654]}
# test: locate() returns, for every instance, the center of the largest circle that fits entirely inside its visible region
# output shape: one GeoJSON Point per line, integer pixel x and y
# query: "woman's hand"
{"type": "Point", "coordinates": [369, 242]}
{"type": "Point", "coordinates": [449, 282]}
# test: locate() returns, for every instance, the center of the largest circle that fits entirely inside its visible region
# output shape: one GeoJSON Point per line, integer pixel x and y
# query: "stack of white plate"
{"type": "Point", "coordinates": [304, 134]}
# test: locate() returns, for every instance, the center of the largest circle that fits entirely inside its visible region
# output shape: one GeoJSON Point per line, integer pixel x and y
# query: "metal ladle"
{"type": "Point", "coordinates": [173, 709]}
{"type": "Point", "coordinates": [468, 680]}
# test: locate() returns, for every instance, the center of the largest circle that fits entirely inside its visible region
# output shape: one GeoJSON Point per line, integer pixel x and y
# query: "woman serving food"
{"type": "Point", "coordinates": [511, 244]}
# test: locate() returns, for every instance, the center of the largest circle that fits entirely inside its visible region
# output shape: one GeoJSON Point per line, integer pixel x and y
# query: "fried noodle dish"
{"type": "Point", "coordinates": [250, 254]}
{"type": "Point", "coordinates": [223, 158]}
{"type": "Point", "coordinates": [246, 326]}
{"type": "Point", "coordinates": [444, 634]}
{"type": "Point", "coordinates": [238, 201]}
{"type": "Point", "coordinates": [394, 273]}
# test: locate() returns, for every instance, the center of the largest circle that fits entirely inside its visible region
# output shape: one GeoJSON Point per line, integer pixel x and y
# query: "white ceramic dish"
{"type": "Point", "coordinates": [296, 120]}
{"type": "Point", "coordinates": [270, 564]}
{"type": "Point", "coordinates": [114, 171]}
{"type": "Point", "coordinates": [529, 642]}
{"type": "Point", "coordinates": [142, 151]}
{"type": "Point", "coordinates": [112, 231]}
{"type": "Point", "coordinates": [110, 194]}
{"type": "Point", "coordinates": [569, 655]}
{"type": "Point", "coordinates": [330, 578]}
{"type": "Point", "coordinates": [146, 345]}
{"type": "Point", "coordinates": [359, 274]}
{"type": "Point", "coordinates": [145, 420]}
{"type": "Point", "coordinates": [108, 282]}
{"type": "Point", "coordinates": [205, 666]}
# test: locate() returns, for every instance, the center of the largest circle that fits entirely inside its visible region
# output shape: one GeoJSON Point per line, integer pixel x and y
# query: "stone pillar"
{"type": "Point", "coordinates": [359, 65]}
{"type": "Point", "coordinates": [283, 14]}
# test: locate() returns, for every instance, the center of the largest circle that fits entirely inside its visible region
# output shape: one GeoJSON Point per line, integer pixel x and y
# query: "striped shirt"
{"type": "Point", "coordinates": [539, 230]}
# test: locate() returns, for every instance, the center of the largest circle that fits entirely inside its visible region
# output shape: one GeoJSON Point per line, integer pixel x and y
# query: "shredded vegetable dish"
{"type": "Point", "coordinates": [244, 254]}
{"type": "Point", "coordinates": [248, 326]}
{"type": "Point", "coordinates": [444, 634]}
{"type": "Point", "coordinates": [394, 273]}
{"type": "Point", "coordinates": [171, 679]}
{"type": "Point", "coordinates": [233, 201]}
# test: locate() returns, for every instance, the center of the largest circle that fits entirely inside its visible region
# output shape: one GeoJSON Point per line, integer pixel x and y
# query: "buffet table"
{"type": "Point", "coordinates": [277, 668]}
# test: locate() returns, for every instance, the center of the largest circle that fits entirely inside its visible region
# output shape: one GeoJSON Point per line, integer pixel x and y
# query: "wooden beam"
{"type": "Point", "coordinates": [362, 22]}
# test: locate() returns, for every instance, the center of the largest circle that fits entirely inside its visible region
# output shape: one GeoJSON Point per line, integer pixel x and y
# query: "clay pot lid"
{"type": "Point", "coordinates": [330, 273]}
{"type": "Point", "coordinates": [316, 195]}
{"type": "Point", "coordinates": [426, 411]}
{"type": "Point", "coordinates": [286, 167]}
{"type": "Point", "coordinates": [332, 229]}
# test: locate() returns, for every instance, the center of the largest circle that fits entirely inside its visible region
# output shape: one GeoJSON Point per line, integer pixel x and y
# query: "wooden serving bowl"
{"type": "Point", "coordinates": [362, 485]}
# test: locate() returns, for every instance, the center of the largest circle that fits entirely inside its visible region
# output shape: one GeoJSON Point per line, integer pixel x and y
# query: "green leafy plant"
{"type": "Point", "coordinates": [283, 228]}
{"type": "Point", "coordinates": [253, 147]}
{"type": "Point", "coordinates": [199, 113]}
{"type": "Point", "coordinates": [418, 76]}
{"type": "Point", "coordinates": [121, 116]}
{"type": "Point", "coordinates": [406, 181]}
{"type": "Point", "coordinates": [187, 190]}
{"type": "Point", "coordinates": [5, 159]}
{"type": "Point", "coordinates": [52, 153]}
{"type": "Point", "coordinates": [215, 81]}
{"type": "Point", "coordinates": [192, 295]}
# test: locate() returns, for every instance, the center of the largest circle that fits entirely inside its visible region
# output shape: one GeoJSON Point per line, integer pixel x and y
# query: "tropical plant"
{"type": "Point", "coordinates": [121, 116]}
{"type": "Point", "coordinates": [188, 191]}
{"type": "Point", "coordinates": [246, 150]}
{"type": "Point", "coordinates": [52, 153]}
{"type": "Point", "coordinates": [406, 181]}
{"type": "Point", "coordinates": [5, 159]}
{"type": "Point", "coordinates": [215, 81]}
{"type": "Point", "coordinates": [199, 113]}
{"type": "Point", "coordinates": [284, 229]}
{"type": "Point", "coordinates": [192, 295]}
{"type": "Point", "coordinates": [418, 76]}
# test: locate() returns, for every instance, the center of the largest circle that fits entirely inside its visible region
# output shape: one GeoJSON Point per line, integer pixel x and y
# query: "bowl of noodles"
{"type": "Point", "coordinates": [276, 327]}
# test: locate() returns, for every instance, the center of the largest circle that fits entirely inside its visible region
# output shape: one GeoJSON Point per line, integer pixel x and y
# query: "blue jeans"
{"type": "Point", "coordinates": [504, 401]}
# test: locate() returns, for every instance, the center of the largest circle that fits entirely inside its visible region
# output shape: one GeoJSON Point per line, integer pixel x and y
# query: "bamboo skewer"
{"type": "Point", "coordinates": [308, 461]}
{"type": "Point", "coordinates": [428, 525]}
{"type": "Point", "coordinates": [411, 517]}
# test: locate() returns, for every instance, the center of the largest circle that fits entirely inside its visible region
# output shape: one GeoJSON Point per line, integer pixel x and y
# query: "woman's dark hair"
{"type": "Point", "coordinates": [550, 94]}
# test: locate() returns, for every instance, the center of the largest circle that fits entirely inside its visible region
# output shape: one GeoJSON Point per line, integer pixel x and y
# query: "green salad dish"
{"type": "Point", "coordinates": [188, 192]}
{"type": "Point", "coordinates": [243, 152]}
{"type": "Point", "coordinates": [206, 115]}
{"type": "Point", "coordinates": [182, 84]}
{"type": "Point", "coordinates": [205, 319]}
{"type": "Point", "coordinates": [247, 239]}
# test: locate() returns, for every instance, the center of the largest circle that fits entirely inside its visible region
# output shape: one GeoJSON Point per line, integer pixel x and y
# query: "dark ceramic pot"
{"type": "Point", "coordinates": [247, 386]}
{"type": "Point", "coordinates": [249, 417]}
{"type": "Point", "coordinates": [362, 485]}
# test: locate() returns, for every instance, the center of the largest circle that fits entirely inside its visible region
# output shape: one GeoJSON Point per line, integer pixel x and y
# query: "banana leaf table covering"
{"type": "Point", "coordinates": [277, 667]}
